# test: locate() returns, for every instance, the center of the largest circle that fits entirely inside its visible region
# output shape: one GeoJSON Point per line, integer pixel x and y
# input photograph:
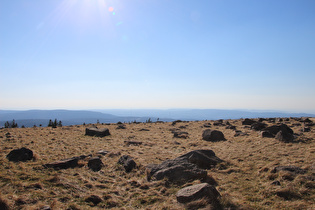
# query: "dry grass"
{"type": "Point", "coordinates": [244, 180]}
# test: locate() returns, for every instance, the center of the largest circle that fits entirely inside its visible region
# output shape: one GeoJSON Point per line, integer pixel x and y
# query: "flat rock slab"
{"type": "Point", "coordinates": [196, 192]}
{"type": "Point", "coordinates": [64, 164]}
{"type": "Point", "coordinates": [22, 154]}
{"type": "Point", "coordinates": [99, 132]}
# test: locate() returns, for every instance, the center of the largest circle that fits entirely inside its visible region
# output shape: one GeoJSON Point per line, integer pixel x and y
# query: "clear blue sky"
{"type": "Point", "coordinates": [87, 54]}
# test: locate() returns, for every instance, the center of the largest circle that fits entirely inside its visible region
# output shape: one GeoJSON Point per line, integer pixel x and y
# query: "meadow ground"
{"type": "Point", "coordinates": [243, 180]}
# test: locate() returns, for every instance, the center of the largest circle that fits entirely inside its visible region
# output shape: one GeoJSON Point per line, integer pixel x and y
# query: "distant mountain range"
{"type": "Point", "coordinates": [30, 118]}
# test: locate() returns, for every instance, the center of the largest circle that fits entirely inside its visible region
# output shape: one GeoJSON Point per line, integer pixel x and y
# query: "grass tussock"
{"type": "Point", "coordinates": [245, 180]}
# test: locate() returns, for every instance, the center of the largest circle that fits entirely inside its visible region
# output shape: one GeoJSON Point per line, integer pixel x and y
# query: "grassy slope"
{"type": "Point", "coordinates": [244, 182]}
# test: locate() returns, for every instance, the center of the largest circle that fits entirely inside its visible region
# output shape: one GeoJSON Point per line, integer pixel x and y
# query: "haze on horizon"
{"type": "Point", "coordinates": [102, 54]}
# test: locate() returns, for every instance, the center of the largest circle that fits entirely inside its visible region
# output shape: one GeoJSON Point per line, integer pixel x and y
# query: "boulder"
{"type": "Point", "coordinates": [284, 136]}
{"type": "Point", "coordinates": [101, 132]}
{"type": "Point", "coordinates": [22, 154]}
{"type": "Point", "coordinates": [213, 135]}
{"type": "Point", "coordinates": [184, 168]}
{"type": "Point", "coordinates": [180, 134]}
{"type": "Point", "coordinates": [248, 121]}
{"type": "Point", "coordinates": [204, 159]}
{"type": "Point", "coordinates": [274, 129]}
{"type": "Point", "coordinates": [258, 126]}
{"type": "Point", "coordinates": [64, 164]}
{"type": "Point", "coordinates": [127, 162]}
{"type": "Point", "coordinates": [95, 164]}
{"type": "Point", "coordinates": [196, 192]}
{"type": "Point", "coordinates": [266, 134]}
{"type": "Point", "coordinates": [176, 171]}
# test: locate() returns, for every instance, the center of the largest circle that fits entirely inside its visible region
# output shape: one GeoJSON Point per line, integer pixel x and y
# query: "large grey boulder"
{"type": "Point", "coordinates": [22, 154]}
{"type": "Point", "coordinates": [196, 192]}
{"type": "Point", "coordinates": [99, 132]}
{"type": "Point", "coordinates": [184, 168]}
{"type": "Point", "coordinates": [284, 136]}
{"type": "Point", "coordinates": [176, 171]}
{"type": "Point", "coordinates": [274, 129]}
{"type": "Point", "coordinates": [213, 135]}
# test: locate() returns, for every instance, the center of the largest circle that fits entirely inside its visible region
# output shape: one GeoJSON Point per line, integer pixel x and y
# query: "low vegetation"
{"type": "Point", "coordinates": [253, 174]}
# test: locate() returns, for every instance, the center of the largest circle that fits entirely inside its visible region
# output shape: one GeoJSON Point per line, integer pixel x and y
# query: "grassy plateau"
{"type": "Point", "coordinates": [244, 180]}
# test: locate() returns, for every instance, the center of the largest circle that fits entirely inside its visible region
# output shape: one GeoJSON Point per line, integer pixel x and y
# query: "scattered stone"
{"type": "Point", "coordinates": [213, 135]}
{"type": "Point", "coordinates": [121, 126]}
{"type": "Point", "coordinates": [284, 136]}
{"type": "Point", "coordinates": [196, 192]}
{"type": "Point", "coordinates": [64, 164]}
{"type": "Point", "coordinates": [258, 126]}
{"type": "Point", "coordinates": [239, 133]}
{"type": "Point", "coordinates": [232, 127]}
{"type": "Point", "coordinates": [184, 168]}
{"type": "Point", "coordinates": [127, 162]}
{"type": "Point", "coordinates": [266, 134]}
{"type": "Point", "coordinates": [176, 171]}
{"type": "Point", "coordinates": [305, 129]}
{"type": "Point", "coordinates": [22, 154]}
{"type": "Point", "coordinates": [180, 134]}
{"type": "Point", "coordinates": [95, 164]}
{"type": "Point", "coordinates": [102, 152]}
{"type": "Point", "coordinates": [176, 121]}
{"type": "Point", "coordinates": [97, 132]}
{"type": "Point", "coordinates": [207, 125]}
{"type": "Point", "coordinates": [248, 121]}
{"type": "Point", "coordinates": [136, 143]}
{"type": "Point", "coordinates": [205, 159]}
{"type": "Point", "coordinates": [274, 129]}
{"type": "Point", "coordinates": [292, 169]}
{"type": "Point", "coordinates": [94, 199]}
{"type": "Point", "coordinates": [144, 129]}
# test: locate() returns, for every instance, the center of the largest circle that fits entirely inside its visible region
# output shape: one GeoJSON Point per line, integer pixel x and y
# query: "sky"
{"type": "Point", "coordinates": [132, 54]}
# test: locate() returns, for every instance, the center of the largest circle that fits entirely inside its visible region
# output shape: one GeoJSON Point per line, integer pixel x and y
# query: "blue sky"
{"type": "Point", "coordinates": [92, 54]}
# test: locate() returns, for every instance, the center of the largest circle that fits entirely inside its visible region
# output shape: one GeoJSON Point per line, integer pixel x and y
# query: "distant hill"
{"type": "Point", "coordinates": [74, 117]}
{"type": "Point", "coordinates": [201, 114]}
{"type": "Point", "coordinates": [30, 118]}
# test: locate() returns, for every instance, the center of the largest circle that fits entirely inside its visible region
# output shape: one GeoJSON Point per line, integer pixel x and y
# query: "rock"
{"type": "Point", "coordinates": [22, 154]}
{"type": "Point", "coordinates": [180, 134]}
{"type": "Point", "coordinates": [305, 129]}
{"type": "Point", "coordinates": [94, 199]}
{"type": "Point", "coordinates": [204, 159]}
{"type": "Point", "coordinates": [274, 129]}
{"type": "Point", "coordinates": [292, 169]}
{"type": "Point", "coordinates": [196, 192]}
{"type": "Point", "coordinates": [207, 125]}
{"type": "Point", "coordinates": [257, 126]}
{"type": "Point", "coordinates": [95, 164]}
{"type": "Point", "coordinates": [97, 132]}
{"type": "Point", "coordinates": [176, 171]}
{"type": "Point", "coordinates": [133, 142]}
{"type": "Point", "coordinates": [232, 127]}
{"type": "Point", "coordinates": [102, 152]}
{"type": "Point", "coordinates": [213, 135]}
{"type": "Point", "coordinates": [184, 168]}
{"type": "Point", "coordinates": [64, 164]}
{"type": "Point", "coordinates": [144, 129]}
{"type": "Point", "coordinates": [266, 134]}
{"type": "Point", "coordinates": [127, 162]}
{"type": "Point", "coordinates": [121, 126]}
{"type": "Point", "coordinates": [248, 121]}
{"type": "Point", "coordinates": [284, 136]}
